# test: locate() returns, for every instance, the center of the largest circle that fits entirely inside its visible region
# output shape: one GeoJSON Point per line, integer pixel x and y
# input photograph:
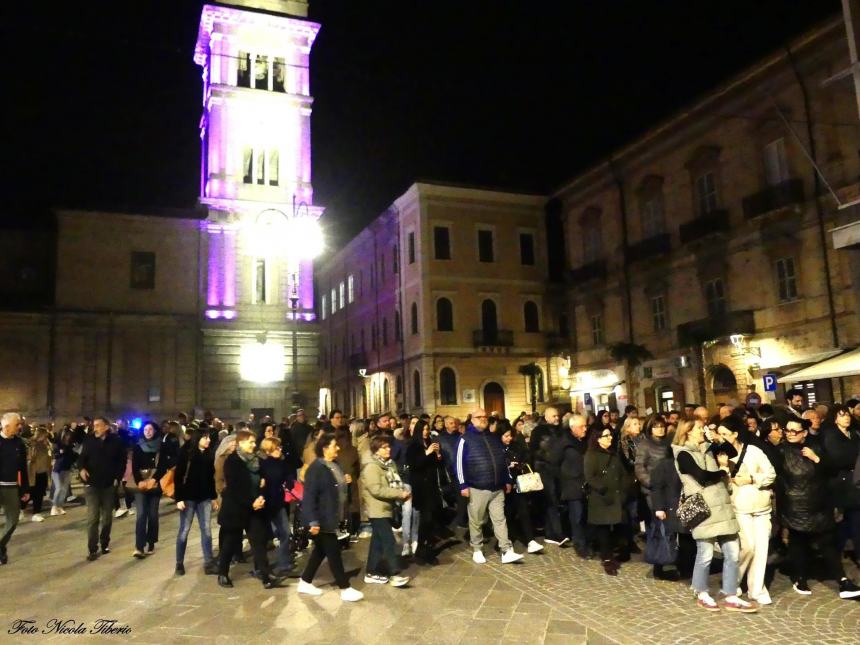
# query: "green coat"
{"type": "Point", "coordinates": [377, 495]}
{"type": "Point", "coordinates": [606, 479]}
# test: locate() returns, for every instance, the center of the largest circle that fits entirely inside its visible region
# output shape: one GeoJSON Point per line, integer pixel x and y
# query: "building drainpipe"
{"type": "Point", "coordinates": [819, 209]}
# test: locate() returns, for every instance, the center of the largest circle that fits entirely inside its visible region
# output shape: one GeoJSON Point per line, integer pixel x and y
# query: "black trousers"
{"type": "Point", "coordinates": [326, 546]}
{"type": "Point", "coordinates": [800, 548]}
{"type": "Point", "coordinates": [38, 492]}
{"type": "Point", "coordinates": [230, 545]}
{"type": "Point", "coordinates": [518, 515]}
{"type": "Point", "coordinates": [608, 537]}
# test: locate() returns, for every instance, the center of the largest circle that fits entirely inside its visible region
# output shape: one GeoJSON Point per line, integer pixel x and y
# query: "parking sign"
{"type": "Point", "coordinates": [769, 382]}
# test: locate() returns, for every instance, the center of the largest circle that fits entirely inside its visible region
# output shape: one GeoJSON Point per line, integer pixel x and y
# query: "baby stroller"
{"type": "Point", "coordinates": [299, 538]}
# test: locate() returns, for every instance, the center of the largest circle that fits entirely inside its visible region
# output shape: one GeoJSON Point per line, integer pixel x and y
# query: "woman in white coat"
{"type": "Point", "coordinates": [751, 492]}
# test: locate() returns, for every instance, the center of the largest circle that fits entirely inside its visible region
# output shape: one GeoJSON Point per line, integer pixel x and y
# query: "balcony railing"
{"type": "Point", "coordinates": [649, 247]}
{"type": "Point", "coordinates": [714, 222]}
{"type": "Point", "coordinates": [774, 197]}
{"type": "Point", "coordinates": [591, 271]}
{"type": "Point", "coordinates": [712, 328]}
{"type": "Point", "coordinates": [493, 338]}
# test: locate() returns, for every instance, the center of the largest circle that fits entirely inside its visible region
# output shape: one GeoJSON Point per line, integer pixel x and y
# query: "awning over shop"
{"type": "Point", "coordinates": [847, 364]}
{"type": "Point", "coordinates": [779, 363]}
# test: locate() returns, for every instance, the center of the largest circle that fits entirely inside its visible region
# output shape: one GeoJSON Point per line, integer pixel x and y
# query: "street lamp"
{"type": "Point", "coordinates": [297, 237]}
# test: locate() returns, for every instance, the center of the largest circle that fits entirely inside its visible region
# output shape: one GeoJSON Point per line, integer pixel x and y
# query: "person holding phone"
{"type": "Point", "coordinates": [424, 457]}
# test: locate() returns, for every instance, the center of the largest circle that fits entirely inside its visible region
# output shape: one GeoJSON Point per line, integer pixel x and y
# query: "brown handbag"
{"type": "Point", "coordinates": [168, 484]}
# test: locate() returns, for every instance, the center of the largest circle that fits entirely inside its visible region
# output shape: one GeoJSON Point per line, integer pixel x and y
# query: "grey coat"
{"type": "Point", "coordinates": [649, 453]}
{"type": "Point", "coordinates": [722, 520]}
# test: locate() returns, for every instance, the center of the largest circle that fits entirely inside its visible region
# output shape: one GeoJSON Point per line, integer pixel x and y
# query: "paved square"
{"type": "Point", "coordinates": [550, 598]}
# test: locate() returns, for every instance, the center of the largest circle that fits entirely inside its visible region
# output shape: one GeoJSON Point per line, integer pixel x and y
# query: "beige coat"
{"type": "Point", "coordinates": [755, 498]}
{"type": "Point", "coordinates": [376, 495]}
{"type": "Point", "coordinates": [722, 520]}
{"type": "Point", "coordinates": [38, 459]}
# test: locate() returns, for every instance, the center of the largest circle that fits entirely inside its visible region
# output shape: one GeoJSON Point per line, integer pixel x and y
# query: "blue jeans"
{"type": "Point", "coordinates": [281, 529]}
{"type": "Point", "coordinates": [382, 556]}
{"type": "Point", "coordinates": [410, 521]}
{"type": "Point", "coordinates": [575, 511]}
{"type": "Point", "coordinates": [731, 548]}
{"type": "Point", "coordinates": [203, 511]}
{"type": "Point", "coordinates": [61, 481]}
{"type": "Point", "coordinates": [146, 525]}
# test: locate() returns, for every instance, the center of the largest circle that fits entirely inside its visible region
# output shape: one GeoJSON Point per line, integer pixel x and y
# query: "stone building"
{"type": "Point", "coordinates": [135, 314]}
{"type": "Point", "coordinates": [706, 240]}
{"type": "Point", "coordinates": [437, 305]}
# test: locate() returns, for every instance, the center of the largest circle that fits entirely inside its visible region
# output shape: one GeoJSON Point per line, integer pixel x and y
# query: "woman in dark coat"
{"type": "Point", "coordinates": [571, 479]}
{"type": "Point", "coordinates": [841, 441]}
{"type": "Point", "coordinates": [605, 476]}
{"type": "Point", "coordinates": [279, 476]}
{"type": "Point", "coordinates": [242, 509]}
{"type": "Point", "coordinates": [806, 508]}
{"type": "Point", "coordinates": [424, 458]}
{"type": "Point", "coordinates": [148, 465]}
{"type": "Point", "coordinates": [517, 511]}
{"type": "Point", "coordinates": [650, 451]}
{"type": "Point", "coordinates": [323, 505]}
{"type": "Point", "coordinates": [195, 494]}
{"type": "Point", "coordinates": [665, 495]}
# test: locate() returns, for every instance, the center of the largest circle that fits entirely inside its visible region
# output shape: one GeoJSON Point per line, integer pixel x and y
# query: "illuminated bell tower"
{"type": "Point", "coordinates": [257, 278]}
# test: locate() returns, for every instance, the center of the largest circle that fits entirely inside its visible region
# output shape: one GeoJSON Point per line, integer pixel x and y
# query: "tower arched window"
{"type": "Point", "coordinates": [414, 318]}
{"type": "Point", "coordinates": [530, 316]}
{"type": "Point", "coordinates": [444, 315]}
{"type": "Point", "coordinates": [416, 389]}
{"type": "Point", "coordinates": [386, 396]}
{"type": "Point", "coordinates": [447, 386]}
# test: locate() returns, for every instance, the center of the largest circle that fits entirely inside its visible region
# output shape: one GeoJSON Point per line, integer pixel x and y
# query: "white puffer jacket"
{"type": "Point", "coordinates": [755, 498]}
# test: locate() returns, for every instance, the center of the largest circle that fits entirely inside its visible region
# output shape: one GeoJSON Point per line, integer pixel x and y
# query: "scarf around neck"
{"type": "Point", "coordinates": [251, 461]}
{"type": "Point", "coordinates": [149, 445]}
{"type": "Point", "coordinates": [392, 478]}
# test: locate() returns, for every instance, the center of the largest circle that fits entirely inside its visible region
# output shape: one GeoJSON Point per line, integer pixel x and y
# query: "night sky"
{"type": "Point", "coordinates": [105, 97]}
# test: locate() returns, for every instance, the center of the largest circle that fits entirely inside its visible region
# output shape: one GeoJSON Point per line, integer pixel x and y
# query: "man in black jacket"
{"type": "Point", "coordinates": [102, 464]}
{"type": "Point", "coordinates": [571, 479]}
{"type": "Point", "coordinates": [544, 445]}
{"type": "Point", "coordinates": [14, 480]}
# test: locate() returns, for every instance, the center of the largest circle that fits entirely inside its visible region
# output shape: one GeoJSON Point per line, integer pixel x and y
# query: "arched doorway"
{"type": "Point", "coordinates": [724, 384]}
{"type": "Point", "coordinates": [494, 398]}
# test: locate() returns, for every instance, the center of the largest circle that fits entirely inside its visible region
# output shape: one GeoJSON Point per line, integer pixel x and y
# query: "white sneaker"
{"type": "Point", "coordinates": [71, 498]}
{"type": "Point", "coordinates": [62, 511]}
{"type": "Point", "coordinates": [534, 547]}
{"type": "Point", "coordinates": [406, 552]}
{"type": "Point", "coordinates": [511, 556]}
{"type": "Point", "coordinates": [351, 595]}
{"type": "Point", "coordinates": [55, 511]}
{"type": "Point", "coordinates": [365, 534]}
{"type": "Point", "coordinates": [308, 588]}
{"type": "Point", "coordinates": [21, 516]}
{"type": "Point", "coordinates": [763, 598]}
{"type": "Point", "coordinates": [131, 511]}
{"type": "Point", "coordinates": [478, 557]}
{"type": "Point", "coordinates": [120, 512]}
{"type": "Point", "coordinates": [375, 580]}
{"type": "Point", "coordinates": [414, 546]}
{"type": "Point", "coordinates": [398, 581]}
{"type": "Point", "coordinates": [38, 518]}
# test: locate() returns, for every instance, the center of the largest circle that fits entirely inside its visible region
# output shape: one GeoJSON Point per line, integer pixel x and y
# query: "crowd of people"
{"type": "Point", "coordinates": [763, 486]}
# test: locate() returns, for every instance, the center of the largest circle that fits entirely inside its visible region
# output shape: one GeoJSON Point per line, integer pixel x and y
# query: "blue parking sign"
{"type": "Point", "coordinates": [769, 382]}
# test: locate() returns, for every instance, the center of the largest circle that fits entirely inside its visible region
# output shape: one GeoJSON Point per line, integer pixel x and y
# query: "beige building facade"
{"type": "Point", "coordinates": [438, 305]}
{"type": "Point", "coordinates": [707, 242]}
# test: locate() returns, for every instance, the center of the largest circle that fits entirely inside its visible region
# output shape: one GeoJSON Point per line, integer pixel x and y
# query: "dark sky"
{"type": "Point", "coordinates": [105, 97]}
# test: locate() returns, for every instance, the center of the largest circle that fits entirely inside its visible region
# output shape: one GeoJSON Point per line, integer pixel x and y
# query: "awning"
{"type": "Point", "coordinates": [847, 364]}
{"type": "Point", "coordinates": [797, 361]}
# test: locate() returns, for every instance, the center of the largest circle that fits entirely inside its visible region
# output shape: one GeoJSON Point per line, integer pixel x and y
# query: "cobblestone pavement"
{"type": "Point", "coordinates": [550, 598]}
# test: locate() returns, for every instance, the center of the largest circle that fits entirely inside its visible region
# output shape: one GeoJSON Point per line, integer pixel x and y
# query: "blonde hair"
{"type": "Point", "coordinates": [682, 432]}
{"type": "Point", "coordinates": [270, 444]}
{"type": "Point", "coordinates": [625, 429]}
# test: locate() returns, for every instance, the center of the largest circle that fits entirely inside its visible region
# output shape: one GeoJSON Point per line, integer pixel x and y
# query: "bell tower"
{"type": "Point", "coordinates": [255, 181]}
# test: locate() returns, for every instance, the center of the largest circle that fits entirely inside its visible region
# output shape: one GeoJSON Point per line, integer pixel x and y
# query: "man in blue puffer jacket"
{"type": "Point", "coordinates": [482, 473]}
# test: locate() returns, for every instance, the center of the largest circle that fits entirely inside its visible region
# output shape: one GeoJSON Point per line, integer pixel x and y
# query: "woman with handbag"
{"type": "Point", "coordinates": [196, 497]}
{"type": "Point", "coordinates": [665, 495]}
{"type": "Point", "coordinates": [517, 509]}
{"type": "Point", "coordinates": [279, 476]}
{"type": "Point", "coordinates": [148, 465]}
{"type": "Point", "coordinates": [752, 498]}
{"type": "Point", "coordinates": [606, 480]}
{"type": "Point", "coordinates": [705, 487]}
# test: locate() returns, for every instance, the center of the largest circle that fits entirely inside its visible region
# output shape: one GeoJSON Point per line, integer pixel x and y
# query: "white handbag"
{"type": "Point", "coordinates": [529, 482]}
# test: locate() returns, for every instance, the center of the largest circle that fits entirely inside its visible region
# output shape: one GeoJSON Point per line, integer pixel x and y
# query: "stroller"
{"type": "Point", "coordinates": [299, 538]}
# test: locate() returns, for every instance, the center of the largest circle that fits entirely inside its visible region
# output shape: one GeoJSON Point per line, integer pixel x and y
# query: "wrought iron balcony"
{"type": "Point", "coordinates": [714, 222]}
{"type": "Point", "coordinates": [714, 327]}
{"type": "Point", "coordinates": [773, 198]}
{"type": "Point", "coordinates": [493, 338]}
{"type": "Point", "coordinates": [592, 271]}
{"type": "Point", "coordinates": [649, 247]}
